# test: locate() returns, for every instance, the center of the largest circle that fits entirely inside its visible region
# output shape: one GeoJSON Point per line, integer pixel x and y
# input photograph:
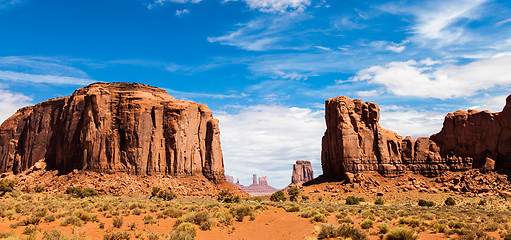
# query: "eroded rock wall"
{"type": "Point", "coordinates": [115, 127]}
{"type": "Point", "coordinates": [354, 142]}
{"type": "Point", "coordinates": [302, 172]}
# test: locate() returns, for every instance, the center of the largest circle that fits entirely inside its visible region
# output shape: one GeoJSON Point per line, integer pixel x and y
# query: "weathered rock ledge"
{"type": "Point", "coordinates": [354, 142]}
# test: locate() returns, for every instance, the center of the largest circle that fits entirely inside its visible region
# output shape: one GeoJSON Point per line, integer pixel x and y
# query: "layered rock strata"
{"type": "Point", "coordinates": [355, 142]}
{"type": "Point", "coordinates": [302, 172]}
{"type": "Point", "coordinates": [114, 127]}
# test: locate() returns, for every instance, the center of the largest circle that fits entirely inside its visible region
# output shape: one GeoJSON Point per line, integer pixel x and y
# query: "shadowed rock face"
{"type": "Point", "coordinates": [355, 142]}
{"type": "Point", "coordinates": [302, 172]}
{"type": "Point", "coordinates": [114, 127]}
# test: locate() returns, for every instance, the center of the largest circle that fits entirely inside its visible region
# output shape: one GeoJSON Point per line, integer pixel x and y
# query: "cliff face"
{"type": "Point", "coordinates": [302, 172]}
{"type": "Point", "coordinates": [355, 142]}
{"type": "Point", "coordinates": [114, 127]}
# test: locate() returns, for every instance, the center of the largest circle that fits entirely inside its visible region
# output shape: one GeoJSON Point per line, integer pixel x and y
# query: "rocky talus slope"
{"type": "Point", "coordinates": [354, 142]}
{"type": "Point", "coordinates": [114, 128]}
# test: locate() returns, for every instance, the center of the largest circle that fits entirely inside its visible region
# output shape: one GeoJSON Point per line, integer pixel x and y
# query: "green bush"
{"type": "Point", "coordinates": [319, 218]}
{"type": "Point", "coordinates": [173, 212]}
{"type": "Point", "coordinates": [81, 193]}
{"type": "Point", "coordinates": [401, 234]}
{"type": "Point", "coordinates": [343, 231]}
{"type": "Point", "coordinates": [383, 228]}
{"type": "Point", "coordinates": [351, 200]}
{"type": "Point", "coordinates": [72, 220]}
{"type": "Point", "coordinates": [227, 197]}
{"type": "Point", "coordinates": [241, 211]}
{"type": "Point", "coordinates": [293, 193]}
{"type": "Point", "coordinates": [450, 201]}
{"type": "Point", "coordinates": [424, 203]}
{"type": "Point", "coordinates": [292, 208]}
{"type": "Point", "coordinates": [118, 221]}
{"type": "Point", "coordinates": [117, 236]}
{"type": "Point", "coordinates": [7, 185]}
{"type": "Point", "coordinates": [366, 224]}
{"type": "Point", "coordinates": [183, 231]}
{"type": "Point", "coordinates": [225, 218]}
{"type": "Point", "coordinates": [482, 202]}
{"type": "Point", "coordinates": [86, 216]}
{"type": "Point", "coordinates": [379, 201]}
{"type": "Point", "coordinates": [278, 196]}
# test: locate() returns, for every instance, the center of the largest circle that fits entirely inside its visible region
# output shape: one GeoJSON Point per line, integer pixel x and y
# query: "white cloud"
{"type": "Point", "coordinates": [267, 140]}
{"type": "Point", "coordinates": [323, 48]}
{"type": "Point", "coordinates": [390, 46]}
{"type": "Point", "coordinates": [158, 3]}
{"type": "Point", "coordinates": [419, 79]}
{"type": "Point", "coordinates": [179, 13]}
{"type": "Point", "coordinates": [369, 93]}
{"type": "Point", "coordinates": [277, 6]}
{"type": "Point", "coordinates": [411, 122]}
{"type": "Point", "coordinates": [491, 103]}
{"type": "Point", "coordinates": [36, 78]}
{"type": "Point", "coordinates": [191, 95]}
{"type": "Point", "coordinates": [263, 34]}
{"type": "Point", "coordinates": [10, 102]}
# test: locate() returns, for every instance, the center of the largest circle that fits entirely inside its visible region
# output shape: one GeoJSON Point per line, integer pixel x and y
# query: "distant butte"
{"type": "Point", "coordinates": [259, 186]}
{"type": "Point", "coordinates": [354, 142]}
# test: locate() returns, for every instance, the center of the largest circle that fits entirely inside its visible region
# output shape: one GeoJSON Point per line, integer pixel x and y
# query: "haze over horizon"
{"type": "Point", "coordinates": [265, 67]}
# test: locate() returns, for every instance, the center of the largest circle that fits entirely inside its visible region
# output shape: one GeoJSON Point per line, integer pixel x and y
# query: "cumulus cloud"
{"type": "Point", "coordinates": [179, 13]}
{"type": "Point", "coordinates": [411, 122]}
{"type": "Point", "coordinates": [10, 102]}
{"type": "Point", "coordinates": [36, 78]}
{"type": "Point", "coordinates": [491, 103]}
{"type": "Point", "coordinates": [423, 79]}
{"type": "Point", "coordinates": [267, 140]}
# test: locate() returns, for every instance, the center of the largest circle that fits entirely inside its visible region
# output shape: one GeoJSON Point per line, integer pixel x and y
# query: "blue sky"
{"type": "Point", "coordinates": [265, 67]}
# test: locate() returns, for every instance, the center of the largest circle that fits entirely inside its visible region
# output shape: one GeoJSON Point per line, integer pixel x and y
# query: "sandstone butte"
{"type": "Point", "coordinates": [302, 172]}
{"type": "Point", "coordinates": [354, 142]}
{"type": "Point", "coordinates": [259, 186]}
{"type": "Point", "coordinates": [111, 128]}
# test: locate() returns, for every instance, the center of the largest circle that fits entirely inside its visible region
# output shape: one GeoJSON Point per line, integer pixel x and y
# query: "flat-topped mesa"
{"type": "Point", "coordinates": [355, 142]}
{"type": "Point", "coordinates": [302, 172]}
{"type": "Point", "coordinates": [114, 127]}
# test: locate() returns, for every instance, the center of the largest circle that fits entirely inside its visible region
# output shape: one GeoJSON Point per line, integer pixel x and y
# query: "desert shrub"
{"type": "Point", "coordinates": [383, 228]}
{"type": "Point", "coordinates": [291, 208]}
{"type": "Point", "coordinates": [424, 203]}
{"type": "Point", "coordinates": [241, 211]}
{"type": "Point", "coordinates": [506, 235]}
{"type": "Point", "coordinates": [342, 217]}
{"type": "Point", "coordinates": [183, 231]}
{"type": "Point", "coordinates": [153, 236]}
{"type": "Point", "coordinates": [71, 220]}
{"type": "Point", "coordinates": [482, 202]}
{"type": "Point", "coordinates": [305, 197]}
{"type": "Point", "coordinates": [450, 201]}
{"type": "Point", "coordinates": [117, 236]}
{"type": "Point", "coordinates": [30, 230]}
{"type": "Point", "coordinates": [39, 189]}
{"type": "Point", "coordinates": [342, 231]}
{"type": "Point", "coordinates": [202, 219]}
{"type": "Point", "coordinates": [351, 200]}
{"type": "Point", "coordinates": [225, 218]}
{"type": "Point", "coordinates": [149, 219]}
{"type": "Point", "coordinates": [155, 191]}
{"type": "Point", "coordinates": [308, 212]}
{"type": "Point", "coordinates": [293, 193]}
{"type": "Point", "coordinates": [7, 185]}
{"type": "Point", "coordinates": [227, 197]}
{"type": "Point", "coordinates": [41, 212]}
{"type": "Point", "coordinates": [366, 224]}
{"type": "Point", "coordinates": [81, 193]}
{"type": "Point", "coordinates": [118, 221]}
{"type": "Point", "coordinates": [455, 224]}
{"type": "Point", "coordinates": [278, 196]}
{"type": "Point", "coordinates": [411, 221]}
{"type": "Point", "coordinates": [167, 194]}
{"type": "Point", "coordinates": [86, 216]}
{"type": "Point", "coordinates": [132, 226]}
{"type": "Point", "coordinates": [32, 220]}
{"type": "Point", "coordinates": [173, 212]}
{"type": "Point", "coordinates": [438, 227]}
{"type": "Point", "coordinates": [319, 218]}
{"type": "Point", "coordinates": [379, 201]}
{"type": "Point", "coordinates": [53, 235]}
{"type": "Point", "coordinates": [6, 234]}
{"type": "Point", "coordinates": [401, 234]}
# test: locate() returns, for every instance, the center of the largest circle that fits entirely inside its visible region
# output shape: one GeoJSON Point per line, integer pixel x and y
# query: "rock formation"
{"type": "Point", "coordinates": [259, 187]}
{"type": "Point", "coordinates": [114, 127]}
{"type": "Point", "coordinates": [302, 172]}
{"type": "Point", "coordinates": [354, 142]}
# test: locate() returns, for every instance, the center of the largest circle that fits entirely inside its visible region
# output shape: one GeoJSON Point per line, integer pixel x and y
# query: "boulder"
{"type": "Point", "coordinates": [114, 127]}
